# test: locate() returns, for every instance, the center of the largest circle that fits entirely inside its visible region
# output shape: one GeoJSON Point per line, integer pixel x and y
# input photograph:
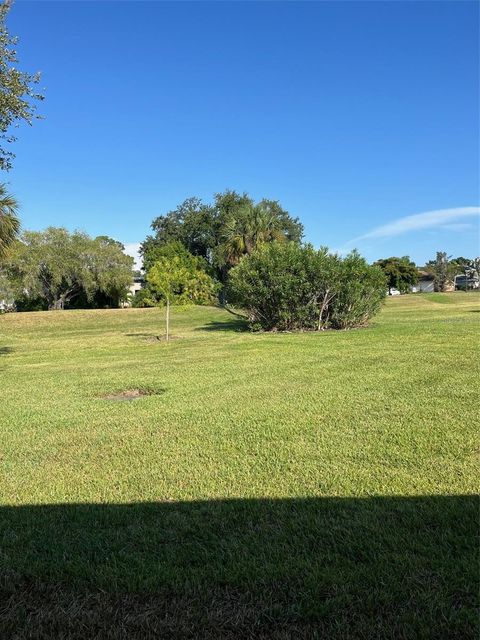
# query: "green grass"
{"type": "Point", "coordinates": [273, 486]}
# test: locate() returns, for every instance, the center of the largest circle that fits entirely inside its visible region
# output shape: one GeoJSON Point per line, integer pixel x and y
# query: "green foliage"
{"type": "Point", "coordinates": [143, 298]}
{"type": "Point", "coordinates": [57, 266]}
{"type": "Point", "coordinates": [359, 294]}
{"type": "Point", "coordinates": [292, 287]}
{"type": "Point", "coordinates": [179, 277]}
{"type": "Point", "coordinates": [17, 97]}
{"type": "Point", "coordinates": [23, 302]}
{"type": "Point", "coordinates": [7, 293]}
{"type": "Point", "coordinates": [9, 222]}
{"type": "Point", "coordinates": [223, 232]}
{"type": "Point", "coordinates": [401, 273]}
{"type": "Point", "coordinates": [444, 269]}
{"type": "Point", "coordinates": [191, 224]}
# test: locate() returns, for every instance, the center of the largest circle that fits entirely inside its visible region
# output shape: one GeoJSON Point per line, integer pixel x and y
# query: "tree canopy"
{"type": "Point", "coordinates": [221, 232]}
{"type": "Point", "coordinates": [188, 283]}
{"type": "Point", "coordinates": [18, 97]}
{"type": "Point", "coordinates": [401, 273]}
{"type": "Point", "coordinates": [58, 266]}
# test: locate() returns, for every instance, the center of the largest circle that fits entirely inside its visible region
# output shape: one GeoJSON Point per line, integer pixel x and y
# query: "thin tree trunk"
{"type": "Point", "coordinates": [326, 300]}
{"type": "Point", "coordinates": [167, 337]}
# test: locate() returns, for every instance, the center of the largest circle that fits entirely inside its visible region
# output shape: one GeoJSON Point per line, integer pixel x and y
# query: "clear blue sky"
{"type": "Point", "coordinates": [354, 115]}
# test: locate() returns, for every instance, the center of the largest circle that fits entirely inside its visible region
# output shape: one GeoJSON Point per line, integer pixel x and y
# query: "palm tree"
{"type": "Point", "coordinates": [9, 222]}
{"type": "Point", "coordinates": [247, 229]}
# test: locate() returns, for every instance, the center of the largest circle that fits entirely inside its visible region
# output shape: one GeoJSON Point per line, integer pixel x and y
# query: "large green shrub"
{"type": "Point", "coordinates": [359, 294]}
{"type": "Point", "coordinates": [289, 287]}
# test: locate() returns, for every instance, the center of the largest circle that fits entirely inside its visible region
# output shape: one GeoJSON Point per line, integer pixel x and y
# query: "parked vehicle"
{"type": "Point", "coordinates": [466, 282]}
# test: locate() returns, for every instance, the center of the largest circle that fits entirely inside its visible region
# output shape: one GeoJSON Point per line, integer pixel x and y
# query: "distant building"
{"type": "Point", "coordinates": [424, 284]}
{"type": "Point", "coordinates": [138, 283]}
{"type": "Point", "coordinates": [466, 281]}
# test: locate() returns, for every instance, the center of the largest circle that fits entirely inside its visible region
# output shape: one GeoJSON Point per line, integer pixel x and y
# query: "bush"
{"type": "Point", "coordinates": [143, 298]}
{"type": "Point", "coordinates": [287, 287]}
{"type": "Point", "coordinates": [360, 292]}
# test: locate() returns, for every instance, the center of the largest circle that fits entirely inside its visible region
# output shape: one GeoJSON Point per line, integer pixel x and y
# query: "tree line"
{"type": "Point", "coordinates": [403, 275]}
{"type": "Point", "coordinates": [235, 249]}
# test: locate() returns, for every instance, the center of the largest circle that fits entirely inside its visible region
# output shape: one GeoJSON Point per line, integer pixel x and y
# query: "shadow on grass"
{"type": "Point", "coordinates": [292, 568]}
{"type": "Point", "coordinates": [5, 350]}
{"type": "Point", "coordinates": [237, 324]}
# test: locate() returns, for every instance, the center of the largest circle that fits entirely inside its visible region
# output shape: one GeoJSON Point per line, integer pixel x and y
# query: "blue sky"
{"type": "Point", "coordinates": [358, 117]}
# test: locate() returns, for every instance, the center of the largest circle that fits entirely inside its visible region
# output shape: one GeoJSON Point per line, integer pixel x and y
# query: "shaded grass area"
{"type": "Point", "coordinates": [277, 486]}
{"type": "Point", "coordinates": [318, 567]}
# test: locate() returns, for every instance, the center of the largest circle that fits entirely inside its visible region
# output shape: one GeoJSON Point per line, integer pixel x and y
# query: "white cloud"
{"type": "Point", "coordinates": [458, 226]}
{"type": "Point", "coordinates": [133, 249]}
{"type": "Point", "coordinates": [441, 218]}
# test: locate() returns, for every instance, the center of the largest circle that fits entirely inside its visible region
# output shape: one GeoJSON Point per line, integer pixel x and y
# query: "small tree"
{"type": "Point", "coordinates": [401, 273]}
{"type": "Point", "coordinates": [441, 268]}
{"type": "Point", "coordinates": [178, 279]}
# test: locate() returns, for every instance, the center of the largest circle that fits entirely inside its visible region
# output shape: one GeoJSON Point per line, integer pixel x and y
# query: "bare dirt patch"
{"type": "Point", "coordinates": [130, 394]}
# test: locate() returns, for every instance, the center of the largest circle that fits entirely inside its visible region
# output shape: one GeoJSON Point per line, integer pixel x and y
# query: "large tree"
{"type": "Point", "coordinates": [59, 266]}
{"type": "Point", "coordinates": [222, 232]}
{"type": "Point", "coordinates": [192, 224]}
{"type": "Point", "coordinates": [9, 222]}
{"type": "Point", "coordinates": [18, 96]}
{"type": "Point", "coordinates": [243, 225]}
{"type": "Point", "coordinates": [401, 273]}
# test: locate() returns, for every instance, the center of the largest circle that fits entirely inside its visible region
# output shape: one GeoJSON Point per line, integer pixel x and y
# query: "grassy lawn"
{"type": "Point", "coordinates": [270, 486]}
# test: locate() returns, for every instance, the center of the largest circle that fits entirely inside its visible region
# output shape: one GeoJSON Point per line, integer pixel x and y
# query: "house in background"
{"type": "Point", "coordinates": [138, 283]}
{"type": "Point", "coordinates": [424, 284]}
{"type": "Point", "coordinates": [461, 282]}
{"type": "Point", "coordinates": [467, 281]}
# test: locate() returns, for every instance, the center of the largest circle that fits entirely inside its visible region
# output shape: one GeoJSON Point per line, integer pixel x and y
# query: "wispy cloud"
{"type": "Point", "coordinates": [446, 218]}
{"type": "Point", "coordinates": [133, 249]}
{"type": "Point", "coordinates": [458, 226]}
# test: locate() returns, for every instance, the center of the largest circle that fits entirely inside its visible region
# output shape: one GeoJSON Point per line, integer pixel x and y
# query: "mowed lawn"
{"type": "Point", "coordinates": [270, 486]}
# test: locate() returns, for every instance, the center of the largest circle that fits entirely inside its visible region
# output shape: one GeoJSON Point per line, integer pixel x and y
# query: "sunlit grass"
{"type": "Point", "coordinates": [382, 413]}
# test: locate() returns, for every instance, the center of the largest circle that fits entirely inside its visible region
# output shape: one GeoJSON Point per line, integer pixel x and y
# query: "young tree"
{"type": "Point", "coordinates": [177, 278]}
{"type": "Point", "coordinates": [442, 269]}
{"type": "Point", "coordinates": [9, 222]}
{"type": "Point", "coordinates": [18, 96]}
{"type": "Point", "coordinates": [401, 273]}
{"type": "Point", "coordinates": [58, 266]}
{"type": "Point", "coordinates": [166, 276]}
